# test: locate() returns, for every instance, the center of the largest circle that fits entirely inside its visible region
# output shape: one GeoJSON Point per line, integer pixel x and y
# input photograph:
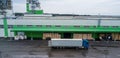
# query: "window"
{"type": "Point", "coordinates": [10, 26]}
{"type": "Point", "coordinates": [39, 25]}
{"type": "Point", "coordinates": [86, 26]}
{"type": "Point", "coordinates": [94, 26]}
{"type": "Point", "coordinates": [1, 26]}
{"type": "Point", "coordinates": [29, 25]}
{"type": "Point", "coordinates": [106, 26]}
{"type": "Point", "coordinates": [57, 26]}
{"type": "Point", "coordinates": [19, 25]}
{"type": "Point", "coordinates": [77, 26]}
{"type": "Point", "coordinates": [66, 26]}
{"type": "Point", "coordinates": [115, 26]}
{"type": "Point", "coordinates": [48, 25]}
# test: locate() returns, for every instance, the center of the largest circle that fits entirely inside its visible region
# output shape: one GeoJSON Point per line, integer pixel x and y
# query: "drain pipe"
{"type": "Point", "coordinates": [99, 21]}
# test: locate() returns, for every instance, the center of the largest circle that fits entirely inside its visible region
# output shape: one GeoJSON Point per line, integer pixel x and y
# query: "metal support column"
{"type": "Point", "coordinates": [5, 26]}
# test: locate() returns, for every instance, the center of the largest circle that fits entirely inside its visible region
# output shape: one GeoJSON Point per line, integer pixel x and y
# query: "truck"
{"type": "Point", "coordinates": [78, 43]}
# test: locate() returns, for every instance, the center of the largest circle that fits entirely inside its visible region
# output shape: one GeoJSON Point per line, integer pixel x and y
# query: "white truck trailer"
{"type": "Point", "coordinates": [80, 43]}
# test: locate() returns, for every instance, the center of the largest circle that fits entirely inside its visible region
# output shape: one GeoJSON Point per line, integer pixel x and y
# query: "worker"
{"type": "Point", "coordinates": [85, 43]}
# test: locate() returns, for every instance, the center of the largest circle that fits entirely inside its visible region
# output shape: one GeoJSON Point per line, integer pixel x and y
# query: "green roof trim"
{"type": "Point", "coordinates": [65, 29]}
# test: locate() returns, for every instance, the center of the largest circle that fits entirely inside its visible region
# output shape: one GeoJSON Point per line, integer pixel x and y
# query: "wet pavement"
{"type": "Point", "coordinates": [39, 49]}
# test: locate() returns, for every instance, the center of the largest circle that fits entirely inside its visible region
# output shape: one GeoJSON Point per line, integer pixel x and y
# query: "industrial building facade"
{"type": "Point", "coordinates": [72, 27]}
{"type": "Point", "coordinates": [35, 24]}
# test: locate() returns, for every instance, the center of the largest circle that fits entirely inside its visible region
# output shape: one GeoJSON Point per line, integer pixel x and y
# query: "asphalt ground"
{"type": "Point", "coordinates": [39, 49]}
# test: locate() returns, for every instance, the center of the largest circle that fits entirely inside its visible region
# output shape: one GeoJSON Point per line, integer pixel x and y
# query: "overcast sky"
{"type": "Point", "coordinates": [83, 7]}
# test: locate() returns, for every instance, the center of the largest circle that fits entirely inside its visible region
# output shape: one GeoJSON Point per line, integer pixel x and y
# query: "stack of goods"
{"type": "Point", "coordinates": [90, 37]}
{"type": "Point", "coordinates": [116, 36]}
{"type": "Point", "coordinates": [77, 36]}
{"type": "Point", "coordinates": [51, 35]}
{"type": "Point", "coordinates": [83, 36]}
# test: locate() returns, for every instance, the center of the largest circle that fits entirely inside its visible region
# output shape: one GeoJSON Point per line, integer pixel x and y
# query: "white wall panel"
{"type": "Point", "coordinates": [110, 22]}
{"type": "Point", "coordinates": [1, 32]}
{"type": "Point", "coordinates": [62, 22]}
{"type": "Point", "coordinates": [1, 22]}
{"type": "Point", "coordinates": [52, 22]}
{"type": "Point", "coordinates": [10, 34]}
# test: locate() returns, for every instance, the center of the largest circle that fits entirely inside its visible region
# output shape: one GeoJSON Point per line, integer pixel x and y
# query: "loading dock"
{"type": "Point", "coordinates": [67, 35]}
{"type": "Point", "coordinates": [69, 32]}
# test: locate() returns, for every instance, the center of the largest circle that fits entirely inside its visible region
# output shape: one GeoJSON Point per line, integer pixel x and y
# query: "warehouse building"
{"type": "Point", "coordinates": [81, 27]}
{"type": "Point", "coordinates": [35, 24]}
